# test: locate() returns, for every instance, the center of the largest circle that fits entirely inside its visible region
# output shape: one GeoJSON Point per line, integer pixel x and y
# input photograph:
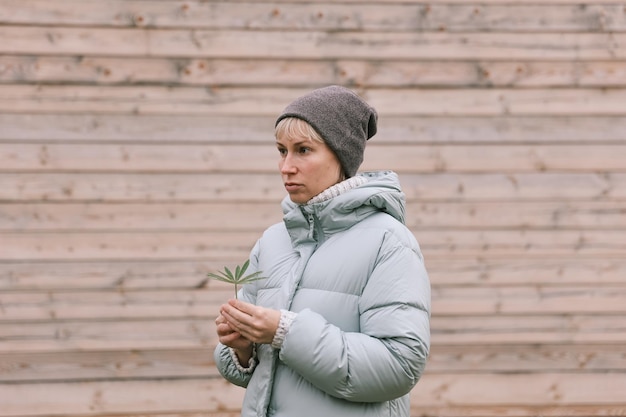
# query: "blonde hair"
{"type": "Point", "coordinates": [292, 127]}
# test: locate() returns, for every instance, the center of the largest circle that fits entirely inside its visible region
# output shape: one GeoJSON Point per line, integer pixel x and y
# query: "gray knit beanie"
{"type": "Point", "coordinates": [342, 119]}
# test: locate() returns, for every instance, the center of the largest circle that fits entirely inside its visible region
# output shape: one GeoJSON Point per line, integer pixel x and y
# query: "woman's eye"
{"type": "Point", "coordinates": [282, 151]}
{"type": "Point", "coordinates": [305, 150]}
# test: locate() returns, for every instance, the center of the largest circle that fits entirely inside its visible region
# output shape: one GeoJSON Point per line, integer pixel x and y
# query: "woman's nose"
{"type": "Point", "coordinates": [286, 165]}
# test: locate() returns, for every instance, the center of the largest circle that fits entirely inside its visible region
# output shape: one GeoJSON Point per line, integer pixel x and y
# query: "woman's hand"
{"type": "Point", "coordinates": [229, 337]}
{"type": "Point", "coordinates": [253, 323]}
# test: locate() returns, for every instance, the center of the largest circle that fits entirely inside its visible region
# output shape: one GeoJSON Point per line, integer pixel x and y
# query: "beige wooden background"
{"type": "Point", "coordinates": [136, 154]}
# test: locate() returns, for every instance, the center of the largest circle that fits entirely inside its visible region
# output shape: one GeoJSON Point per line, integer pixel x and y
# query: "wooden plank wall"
{"type": "Point", "coordinates": [136, 155]}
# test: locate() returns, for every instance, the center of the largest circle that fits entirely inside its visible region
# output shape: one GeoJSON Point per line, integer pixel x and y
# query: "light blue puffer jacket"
{"type": "Point", "coordinates": [356, 277]}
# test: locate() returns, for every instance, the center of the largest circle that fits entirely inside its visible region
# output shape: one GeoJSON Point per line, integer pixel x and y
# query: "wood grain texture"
{"type": "Point", "coordinates": [320, 16]}
{"type": "Point", "coordinates": [264, 158]}
{"type": "Point", "coordinates": [194, 246]}
{"type": "Point", "coordinates": [259, 129]}
{"type": "Point", "coordinates": [189, 100]}
{"type": "Point", "coordinates": [297, 72]}
{"type": "Point", "coordinates": [216, 216]}
{"type": "Point", "coordinates": [552, 389]}
{"type": "Point", "coordinates": [272, 44]}
{"type": "Point", "coordinates": [242, 188]}
{"type": "Point", "coordinates": [194, 303]}
{"type": "Point", "coordinates": [94, 365]}
{"type": "Point", "coordinates": [199, 332]}
{"type": "Point", "coordinates": [480, 271]}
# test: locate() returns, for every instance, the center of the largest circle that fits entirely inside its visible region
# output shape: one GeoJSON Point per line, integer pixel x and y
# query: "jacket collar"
{"type": "Point", "coordinates": [344, 205]}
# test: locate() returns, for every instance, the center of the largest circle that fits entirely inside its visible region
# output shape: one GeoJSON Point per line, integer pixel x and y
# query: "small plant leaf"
{"type": "Point", "coordinates": [251, 277]}
{"type": "Point", "coordinates": [245, 266]}
{"type": "Point", "coordinates": [222, 277]}
{"type": "Point", "coordinates": [228, 273]}
{"type": "Point", "coordinates": [238, 278]}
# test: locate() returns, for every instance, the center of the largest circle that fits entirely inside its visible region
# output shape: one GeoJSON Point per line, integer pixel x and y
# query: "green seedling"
{"type": "Point", "coordinates": [238, 278]}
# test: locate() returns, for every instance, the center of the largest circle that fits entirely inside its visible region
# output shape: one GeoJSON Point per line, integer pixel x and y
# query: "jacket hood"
{"type": "Point", "coordinates": [381, 193]}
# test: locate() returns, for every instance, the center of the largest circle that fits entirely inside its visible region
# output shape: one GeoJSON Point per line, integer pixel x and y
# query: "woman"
{"type": "Point", "coordinates": [340, 324]}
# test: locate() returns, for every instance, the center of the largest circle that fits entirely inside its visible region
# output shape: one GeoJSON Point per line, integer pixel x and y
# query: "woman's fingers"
{"type": "Point", "coordinates": [220, 319]}
{"type": "Point", "coordinates": [236, 317]}
{"type": "Point", "coordinates": [243, 306]}
{"type": "Point", "coordinates": [231, 338]}
{"type": "Point", "coordinates": [224, 329]}
{"type": "Point", "coordinates": [255, 323]}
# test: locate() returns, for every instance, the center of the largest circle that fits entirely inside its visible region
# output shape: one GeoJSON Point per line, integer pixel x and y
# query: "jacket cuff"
{"type": "Point", "coordinates": [251, 364]}
{"type": "Point", "coordinates": [286, 318]}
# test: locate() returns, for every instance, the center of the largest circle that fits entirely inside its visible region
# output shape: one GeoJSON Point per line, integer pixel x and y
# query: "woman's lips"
{"type": "Point", "coordinates": [292, 186]}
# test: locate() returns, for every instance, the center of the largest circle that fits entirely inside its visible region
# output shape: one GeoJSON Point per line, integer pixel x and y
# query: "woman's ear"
{"type": "Point", "coordinates": [371, 124]}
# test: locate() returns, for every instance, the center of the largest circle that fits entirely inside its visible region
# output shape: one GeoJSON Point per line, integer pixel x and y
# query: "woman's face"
{"type": "Point", "coordinates": [307, 167]}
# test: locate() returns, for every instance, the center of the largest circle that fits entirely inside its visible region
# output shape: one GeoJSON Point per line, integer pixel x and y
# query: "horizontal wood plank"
{"type": "Point", "coordinates": [264, 158]}
{"type": "Point", "coordinates": [109, 335]}
{"type": "Point", "coordinates": [505, 391]}
{"type": "Point", "coordinates": [519, 389]}
{"type": "Point", "coordinates": [264, 44]}
{"type": "Point", "coordinates": [106, 365]}
{"type": "Point", "coordinates": [113, 305]}
{"type": "Point", "coordinates": [521, 329]}
{"type": "Point", "coordinates": [220, 413]}
{"type": "Point", "coordinates": [199, 332]}
{"type": "Point", "coordinates": [121, 397]}
{"type": "Point", "coordinates": [480, 359]}
{"type": "Point", "coordinates": [108, 275]}
{"type": "Point", "coordinates": [184, 363]}
{"type": "Point", "coordinates": [523, 215]}
{"type": "Point", "coordinates": [166, 275]}
{"type": "Point", "coordinates": [115, 217]}
{"type": "Point", "coordinates": [190, 100]}
{"type": "Point", "coordinates": [255, 73]}
{"type": "Point", "coordinates": [539, 299]}
{"type": "Point", "coordinates": [178, 304]}
{"type": "Point", "coordinates": [199, 245]}
{"type": "Point", "coordinates": [182, 129]}
{"type": "Point", "coordinates": [519, 410]}
{"type": "Point", "coordinates": [138, 246]}
{"type": "Point", "coordinates": [319, 16]}
{"type": "Point", "coordinates": [492, 272]}
{"type": "Point", "coordinates": [145, 217]}
{"type": "Point", "coordinates": [158, 187]}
